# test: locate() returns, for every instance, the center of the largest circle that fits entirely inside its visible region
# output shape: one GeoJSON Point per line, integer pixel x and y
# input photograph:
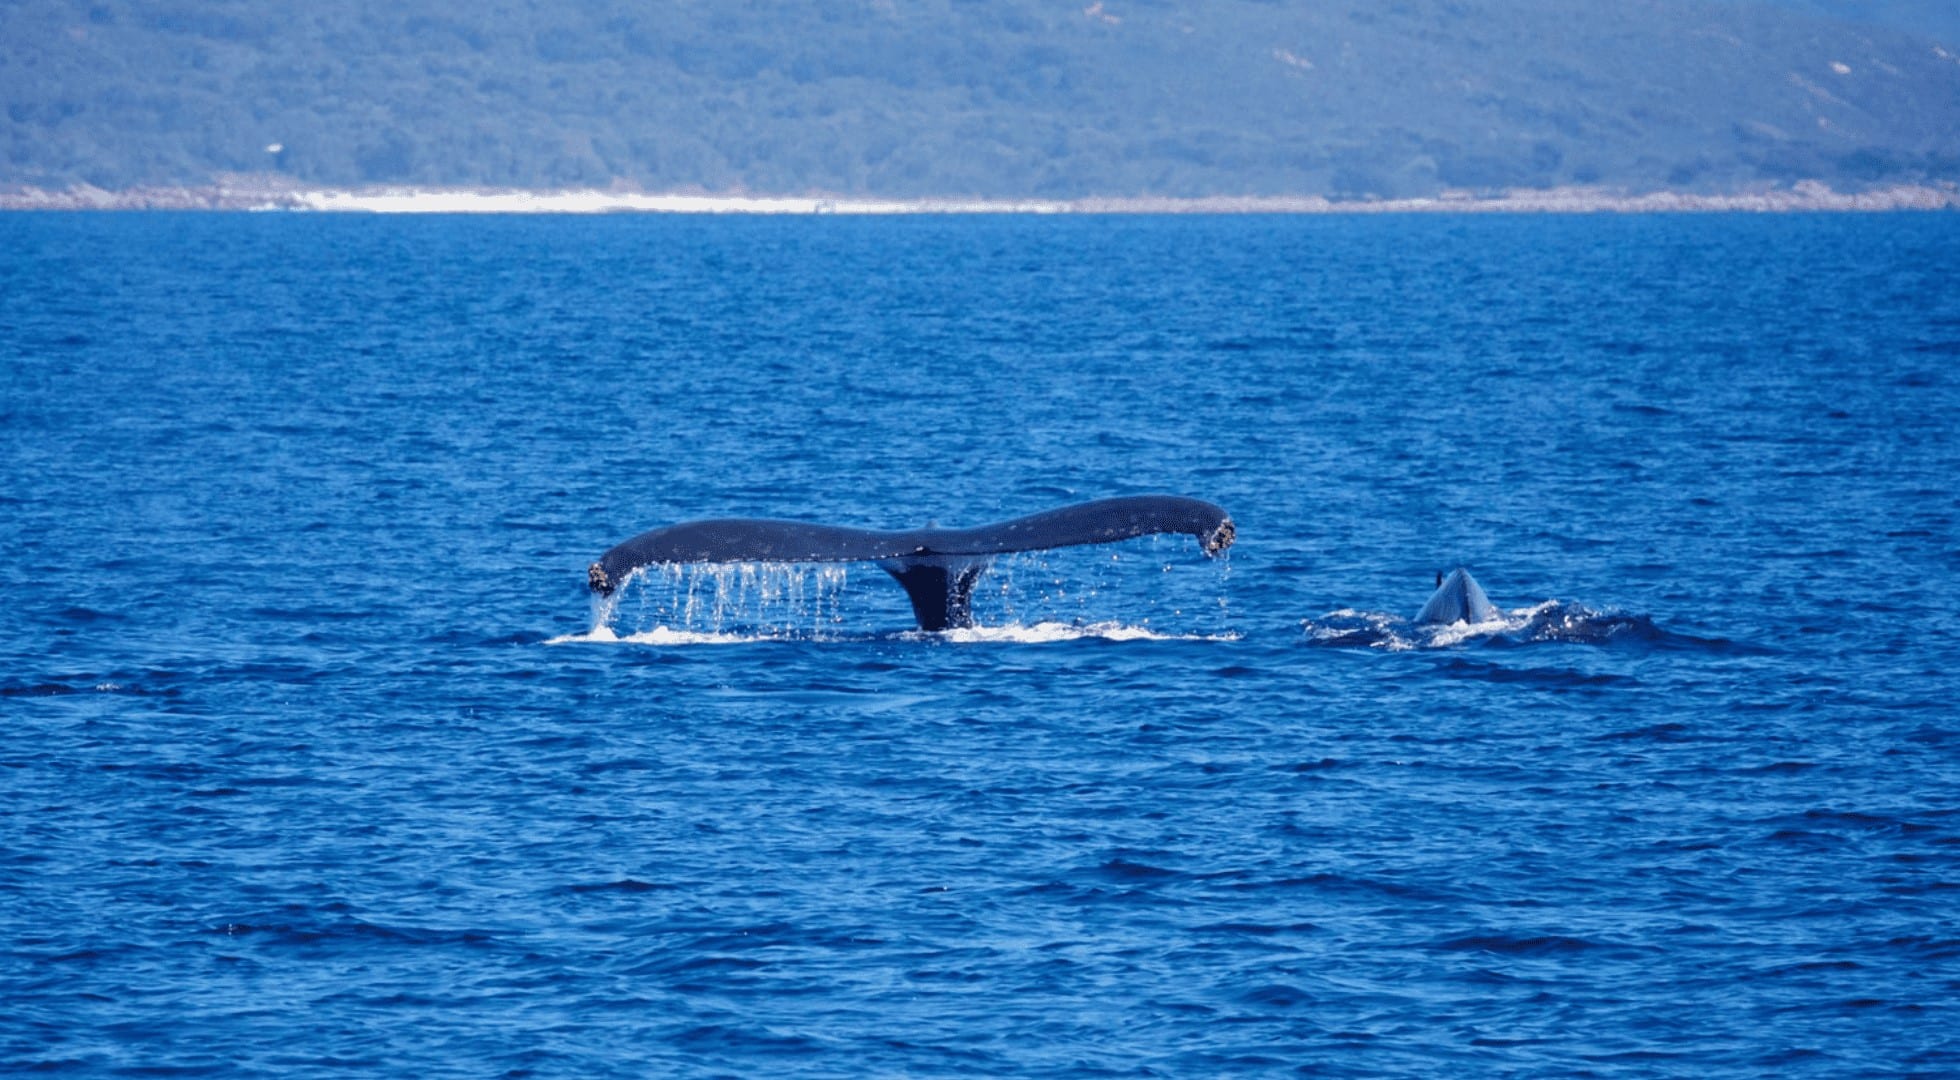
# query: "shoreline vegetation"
{"type": "Point", "coordinates": [270, 194]}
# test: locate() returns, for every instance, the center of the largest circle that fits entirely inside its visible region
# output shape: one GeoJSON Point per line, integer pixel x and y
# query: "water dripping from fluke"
{"type": "Point", "coordinates": [748, 579]}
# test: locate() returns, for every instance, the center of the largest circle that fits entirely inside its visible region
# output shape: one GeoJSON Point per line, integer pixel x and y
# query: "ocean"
{"type": "Point", "coordinates": [317, 757]}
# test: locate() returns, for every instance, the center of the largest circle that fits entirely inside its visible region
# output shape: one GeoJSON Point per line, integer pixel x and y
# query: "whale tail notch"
{"type": "Point", "coordinates": [936, 567]}
{"type": "Point", "coordinates": [940, 587]}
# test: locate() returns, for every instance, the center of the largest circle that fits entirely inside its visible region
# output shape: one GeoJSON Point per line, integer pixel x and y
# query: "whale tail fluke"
{"type": "Point", "coordinates": [936, 567]}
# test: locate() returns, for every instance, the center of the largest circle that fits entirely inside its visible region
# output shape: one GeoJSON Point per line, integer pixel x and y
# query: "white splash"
{"type": "Point", "coordinates": [1547, 620]}
{"type": "Point", "coordinates": [1442, 637]}
{"type": "Point", "coordinates": [666, 636]}
{"type": "Point", "coordinates": [1042, 633]}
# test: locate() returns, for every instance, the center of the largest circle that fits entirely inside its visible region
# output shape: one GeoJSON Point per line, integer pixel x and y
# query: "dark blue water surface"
{"type": "Point", "coordinates": [312, 760]}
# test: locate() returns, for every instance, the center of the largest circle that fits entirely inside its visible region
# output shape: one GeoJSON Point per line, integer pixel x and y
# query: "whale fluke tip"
{"type": "Point", "coordinates": [1217, 540]}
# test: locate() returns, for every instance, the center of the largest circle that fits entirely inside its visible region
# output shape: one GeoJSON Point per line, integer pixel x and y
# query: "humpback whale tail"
{"type": "Point", "coordinates": [936, 567]}
{"type": "Point", "coordinates": [1458, 598]}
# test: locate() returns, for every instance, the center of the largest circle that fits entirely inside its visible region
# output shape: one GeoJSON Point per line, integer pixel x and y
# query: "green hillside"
{"type": "Point", "coordinates": [999, 98]}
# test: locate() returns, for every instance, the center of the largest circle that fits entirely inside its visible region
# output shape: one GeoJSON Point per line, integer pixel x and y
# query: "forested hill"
{"type": "Point", "coordinates": [995, 98]}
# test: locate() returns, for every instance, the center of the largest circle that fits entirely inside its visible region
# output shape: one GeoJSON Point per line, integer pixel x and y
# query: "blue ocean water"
{"type": "Point", "coordinates": [313, 760]}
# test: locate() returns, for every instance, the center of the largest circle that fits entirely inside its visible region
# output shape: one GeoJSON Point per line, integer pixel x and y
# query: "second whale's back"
{"type": "Point", "coordinates": [1458, 599]}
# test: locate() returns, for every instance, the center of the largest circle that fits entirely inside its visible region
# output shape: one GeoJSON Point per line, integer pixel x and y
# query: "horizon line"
{"type": "Point", "coordinates": [255, 194]}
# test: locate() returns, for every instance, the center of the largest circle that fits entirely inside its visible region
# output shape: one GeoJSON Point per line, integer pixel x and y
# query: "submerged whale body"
{"type": "Point", "coordinates": [1458, 598]}
{"type": "Point", "coordinates": [1459, 612]}
{"type": "Point", "coordinates": [936, 567]}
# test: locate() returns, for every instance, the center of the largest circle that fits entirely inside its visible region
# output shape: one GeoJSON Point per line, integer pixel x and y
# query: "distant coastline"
{"type": "Point", "coordinates": [271, 195]}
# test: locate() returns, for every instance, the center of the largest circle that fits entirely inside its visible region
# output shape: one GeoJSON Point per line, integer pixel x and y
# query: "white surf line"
{"type": "Point", "coordinates": [602, 202]}
{"type": "Point", "coordinates": [1807, 196]}
{"type": "Point", "coordinates": [249, 193]}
